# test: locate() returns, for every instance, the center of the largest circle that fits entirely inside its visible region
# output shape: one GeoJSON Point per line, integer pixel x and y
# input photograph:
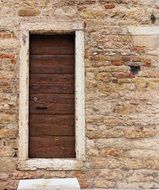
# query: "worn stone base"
{"type": "Point", "coordinates": [49, 184]}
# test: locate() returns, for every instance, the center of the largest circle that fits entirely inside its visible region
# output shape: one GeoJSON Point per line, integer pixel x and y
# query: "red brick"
{"type": "Point", "coordinates": [7, 56]}
{"type": "Point", "coordinates": [109, 5]}
{"type": "Point", "coordinates": [138, 49]}
{"type": "Point", "coordinates": [117, 62]}
{"type": "Point", "coordinates": [125, 75]}
{"type": "Point", "coordinates": [82, 178]}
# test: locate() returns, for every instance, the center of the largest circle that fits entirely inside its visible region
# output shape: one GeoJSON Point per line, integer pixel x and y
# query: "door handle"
{"type": "Point", "coordinates": [41, 108]}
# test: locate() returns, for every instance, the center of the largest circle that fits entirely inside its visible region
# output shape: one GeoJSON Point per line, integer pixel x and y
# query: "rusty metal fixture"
{"type": "Point", "coordinates": [153, 18]}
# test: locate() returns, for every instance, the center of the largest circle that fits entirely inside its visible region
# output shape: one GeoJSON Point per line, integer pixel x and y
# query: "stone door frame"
{"type": "Point", "coordinates": [54, 164]}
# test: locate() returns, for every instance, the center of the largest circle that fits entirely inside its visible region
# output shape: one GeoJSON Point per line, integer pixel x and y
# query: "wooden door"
{"type": "Point", "coordinates": [52, 96]}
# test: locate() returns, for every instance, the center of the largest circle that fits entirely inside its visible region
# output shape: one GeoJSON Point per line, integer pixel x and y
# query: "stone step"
{"type": "Point", "coordinates": [49, 184]}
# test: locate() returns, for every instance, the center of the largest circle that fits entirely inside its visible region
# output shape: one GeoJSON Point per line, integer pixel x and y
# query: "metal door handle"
{"type": "Point", "coordinates": [41, 108]}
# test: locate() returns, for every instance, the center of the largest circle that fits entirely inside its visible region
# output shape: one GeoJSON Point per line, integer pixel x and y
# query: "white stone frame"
{"type": "Point", "coordinates": [54, 164]}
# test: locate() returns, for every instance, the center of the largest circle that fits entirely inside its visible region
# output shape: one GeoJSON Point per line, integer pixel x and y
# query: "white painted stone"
{"type": "Point", "coordinates": [56, 26]}
{"type": "Point", "coordinates": [80, 96]}
{"type": "Point", "coordinates": [149, 2]}
{"type": "Point", "coordinates": [49, 184]}
{"type": "Point", "coordinates": [143, 30]}
{"type": "Point", "coordinates": [51, 164]}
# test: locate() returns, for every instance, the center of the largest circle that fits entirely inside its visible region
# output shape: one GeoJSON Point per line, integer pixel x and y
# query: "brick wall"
{"type": "Point", "coordinates": [122, 108]}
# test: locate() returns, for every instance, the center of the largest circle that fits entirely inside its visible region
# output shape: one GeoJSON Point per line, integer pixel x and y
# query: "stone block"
{"type": "Point", "coordinates": [146, 41]}
{"type": "Point", "coordinates": [66, 11]}
{"type": "Point", "coordinates": [140, 132]}
{"type": "Point", "coordinates": [6, 133]}
{"type": "Point", "coordinates": [49, 184]}
{"type": "Point", "coordinates": [7, 164]}
{"type": "Point", "coordinates": [28, 12]}
{"type": "Point", "coordinates": [111, 152]}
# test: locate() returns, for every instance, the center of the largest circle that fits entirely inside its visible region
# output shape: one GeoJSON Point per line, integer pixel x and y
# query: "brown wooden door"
{"type": "Point", "coordinates": [51, 97]}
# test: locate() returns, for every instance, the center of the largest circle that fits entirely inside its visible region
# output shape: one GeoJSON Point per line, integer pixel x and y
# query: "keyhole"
{"type": "Point", "coordinates": [35, 99]}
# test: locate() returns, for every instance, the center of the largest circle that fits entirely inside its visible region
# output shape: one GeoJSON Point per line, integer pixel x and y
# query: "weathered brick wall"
{"type": "Point", "coordinates": [122, 109]}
